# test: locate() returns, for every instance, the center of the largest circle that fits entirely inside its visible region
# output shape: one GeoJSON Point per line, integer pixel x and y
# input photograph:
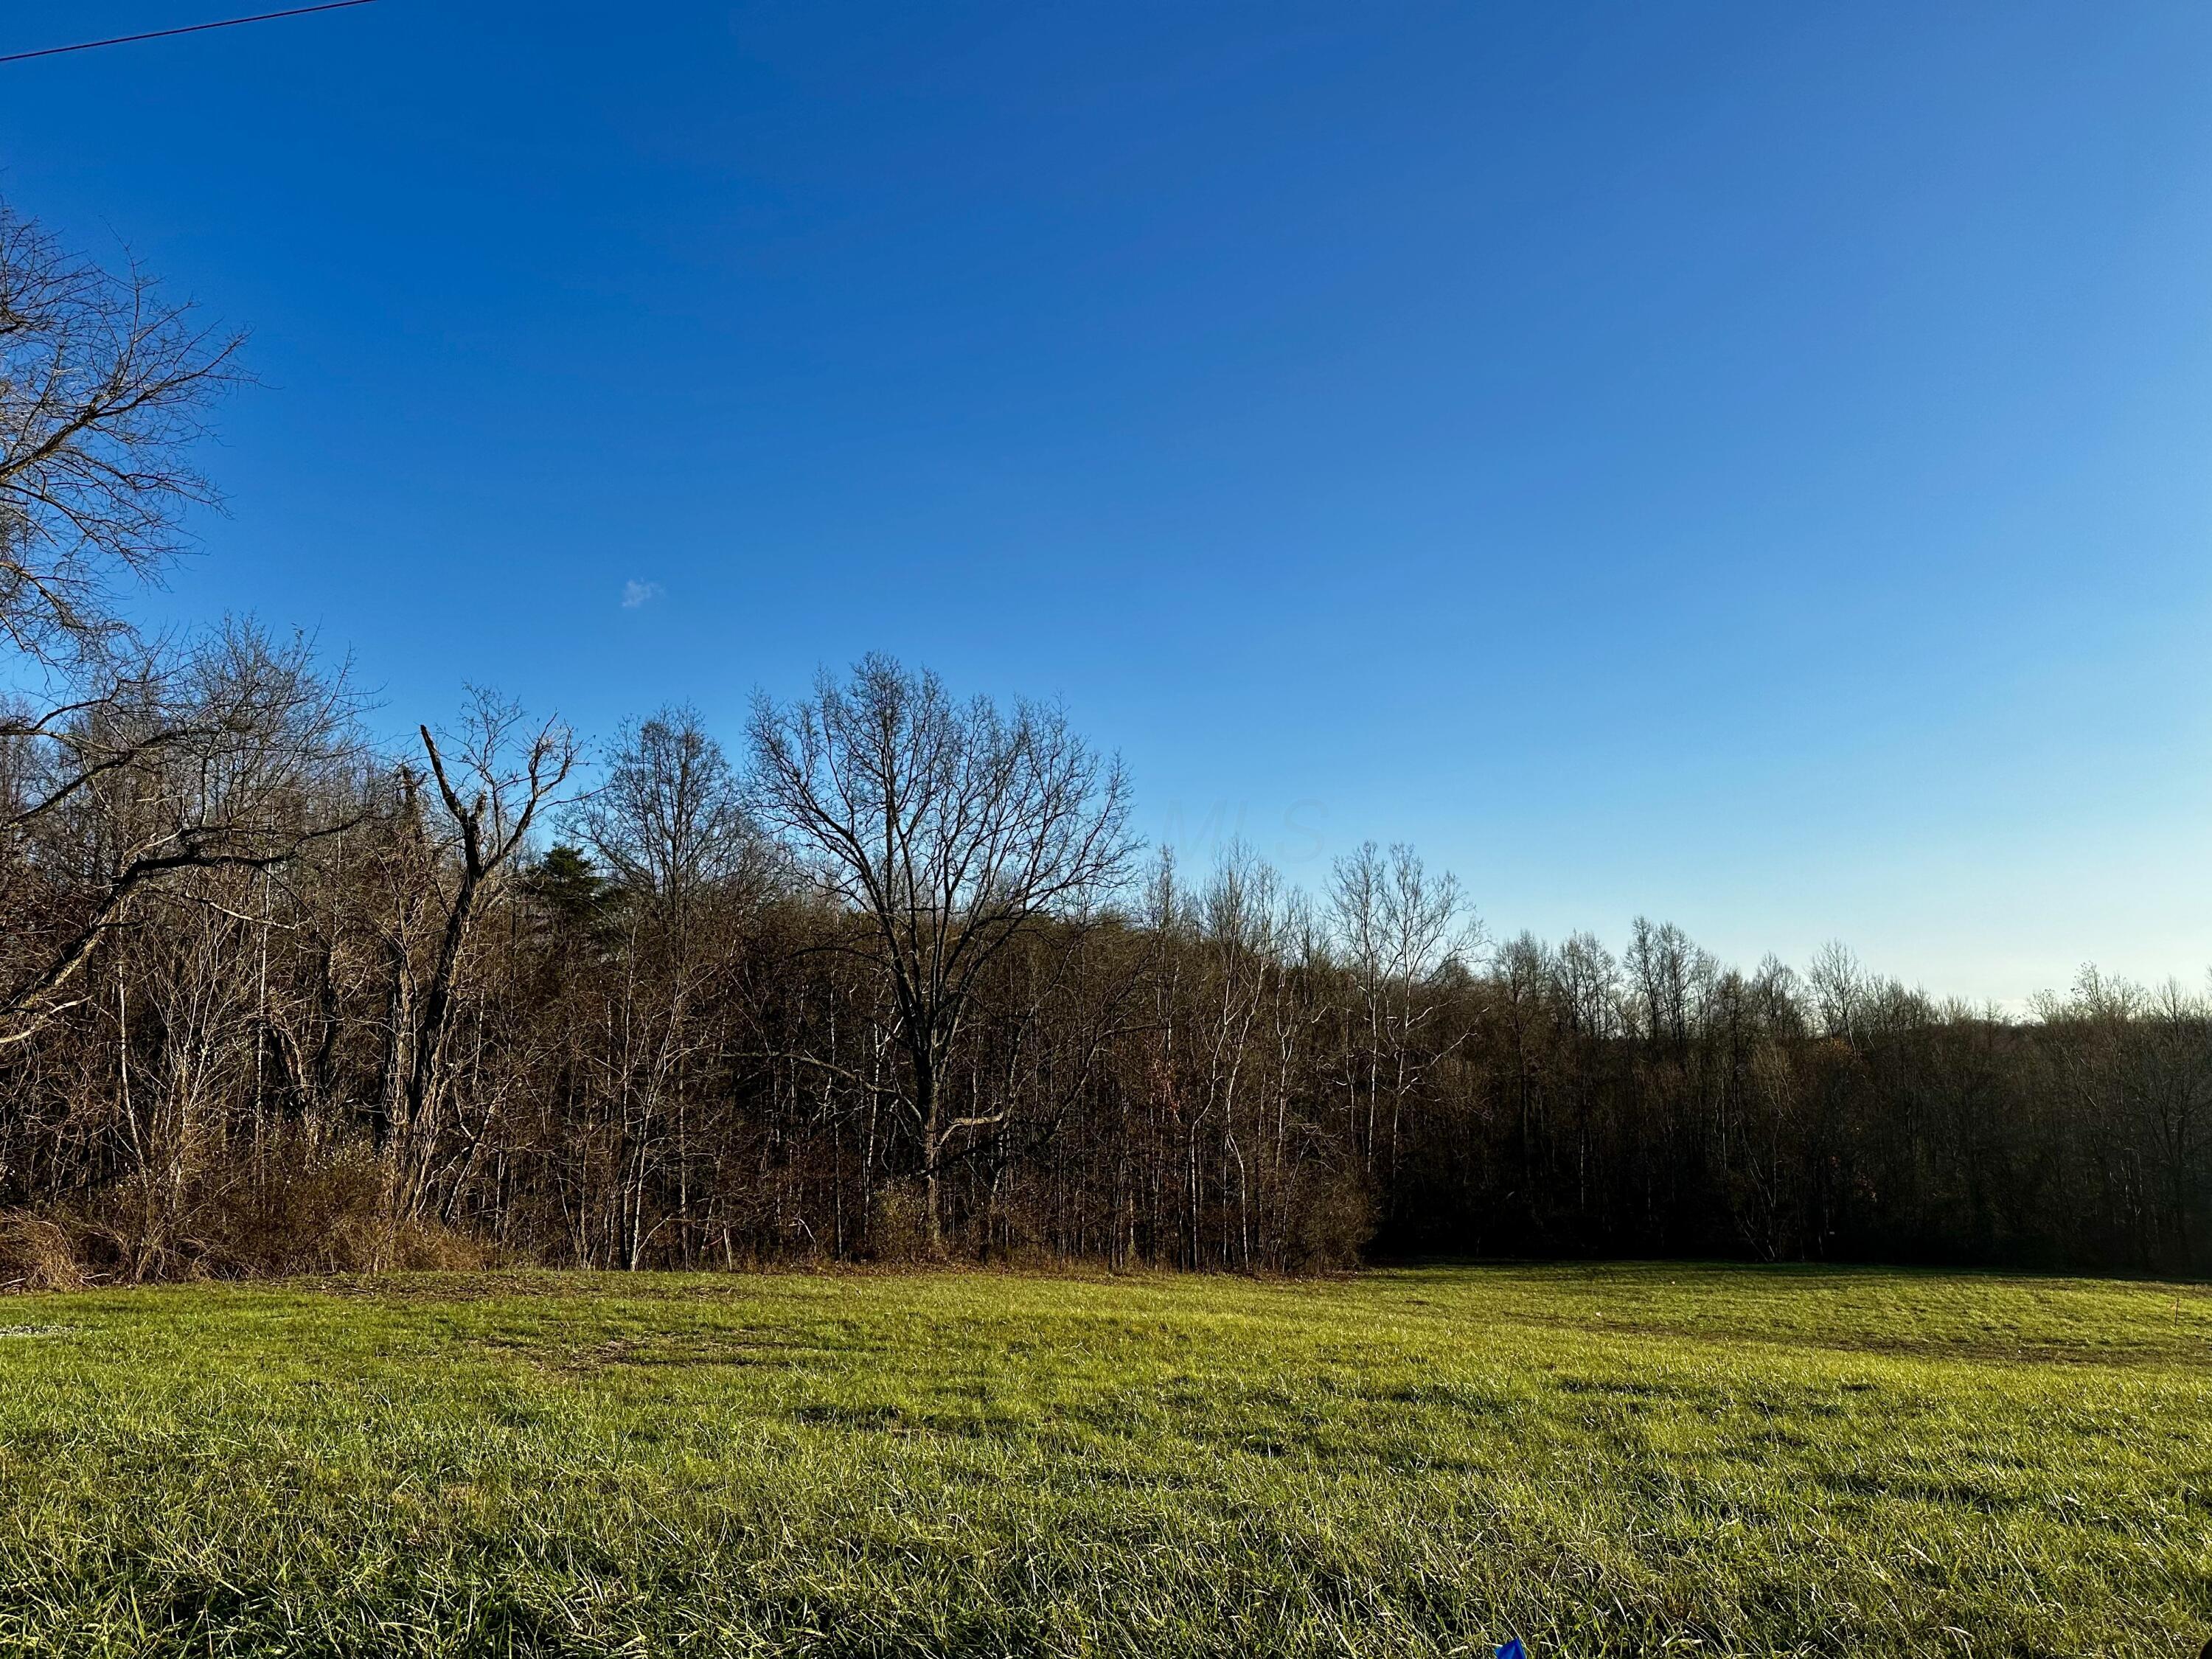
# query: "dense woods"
{"type": "Point", "coordinates": [886, 976]}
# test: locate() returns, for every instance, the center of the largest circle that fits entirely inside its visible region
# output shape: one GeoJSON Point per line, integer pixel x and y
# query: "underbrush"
{"type": "Point", "coordinates": [312, 1209]}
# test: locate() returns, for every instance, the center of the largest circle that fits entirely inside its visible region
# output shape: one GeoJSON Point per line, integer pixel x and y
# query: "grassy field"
{"type": "Point", "coordinates": [1612, 1460]}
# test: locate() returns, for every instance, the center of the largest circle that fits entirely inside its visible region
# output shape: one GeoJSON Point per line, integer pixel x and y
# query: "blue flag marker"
{"type": "Point", "coordinates": [1513, 1650]}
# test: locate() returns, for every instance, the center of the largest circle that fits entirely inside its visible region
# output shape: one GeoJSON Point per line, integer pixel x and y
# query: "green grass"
{"type": "Point", "coordinates": [1615, 1461]}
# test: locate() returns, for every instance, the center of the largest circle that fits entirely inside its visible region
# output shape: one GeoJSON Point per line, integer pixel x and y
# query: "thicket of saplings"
{"type": "Point", "coordinates": [889, 980]}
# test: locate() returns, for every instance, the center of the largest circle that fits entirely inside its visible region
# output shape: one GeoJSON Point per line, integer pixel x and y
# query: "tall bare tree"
{"type": "Point", "coordinates": [500, 777]}
{"type": "Point", "coordinates": [105, 383]}
{"type": "Point", "coordinates": [1399, 927]}
{"type": "Point", "coordinates": [669, 821]}
{"type": "Point", "coordinates": [945, 830]}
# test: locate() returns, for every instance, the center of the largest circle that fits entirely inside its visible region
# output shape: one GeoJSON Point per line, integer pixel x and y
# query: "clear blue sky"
{"type": "Point", "coordinates": [1750, 463]}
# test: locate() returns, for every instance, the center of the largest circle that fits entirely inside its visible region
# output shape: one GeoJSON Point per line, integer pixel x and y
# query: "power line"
{"type": "Point", "coordinates": [189, 28]}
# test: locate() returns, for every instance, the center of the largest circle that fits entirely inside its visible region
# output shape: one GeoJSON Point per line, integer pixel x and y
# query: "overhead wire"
{"type": "Point", "coordinates": [188, 28]}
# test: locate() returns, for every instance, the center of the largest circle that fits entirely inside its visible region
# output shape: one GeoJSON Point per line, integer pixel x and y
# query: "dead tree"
{"type": "Point", "coordinates": [505, 780]}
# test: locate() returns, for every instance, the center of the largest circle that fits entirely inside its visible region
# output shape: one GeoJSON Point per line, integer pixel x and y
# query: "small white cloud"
{"type": "Point", "coordinates": [637, 593]}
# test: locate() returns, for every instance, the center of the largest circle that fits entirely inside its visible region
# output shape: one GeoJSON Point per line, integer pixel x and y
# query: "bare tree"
{"type": "Point", "coordinates": [1667, 976]}
{"type": "Point", "coordinates": [104, 384]}
{"type": "Point", "coordinates": [1839, 990]}
{"type": "Point", "coordinates": [500, 778]}
{"type": "Point", "coordinates": [943, 831]}
{"type": "Point", "coordinates": [669, 823]}
{"type": "Point", "coordinates": [1397, 927]}
{"type": "Point", "coordinates": [208, 762]}
{"type": "Point", "coordinates": [689, 870]}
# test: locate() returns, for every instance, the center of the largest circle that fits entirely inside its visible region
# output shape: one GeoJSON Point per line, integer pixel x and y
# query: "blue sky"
{"type": "Point", "coordinates": [1746, 464]}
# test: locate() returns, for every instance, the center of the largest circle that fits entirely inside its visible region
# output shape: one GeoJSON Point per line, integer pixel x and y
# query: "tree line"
{"type": "Point", "coordinates": [887, 977]}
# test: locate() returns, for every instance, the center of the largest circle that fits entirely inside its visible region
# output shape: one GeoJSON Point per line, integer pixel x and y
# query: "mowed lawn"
{"type": "Point", "coordinates": [1599, 1461]}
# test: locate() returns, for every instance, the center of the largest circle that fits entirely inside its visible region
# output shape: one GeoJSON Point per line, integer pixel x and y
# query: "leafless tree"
{"type": "Point", "coordinates": [209, 761]}
{"type": "Point", "coordinates": [500, 777]}
{"type": "Point", "coordinates": [689, 871]}
{"type": "Point", "coordinates": [669, 821]}
{"type": "Point", "coordinates": [945, 830]}
{"type": "Point", "coordinates": [104, 385]}
{"type": "Point", "coordinates": [104, 382]}
{"type": "Point", "coordinates": [1839, 990]}
{"type": "Point", "coordinates": [1397, 927]}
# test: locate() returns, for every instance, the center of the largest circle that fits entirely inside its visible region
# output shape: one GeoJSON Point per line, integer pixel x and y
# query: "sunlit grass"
{"type": "Point", "coordinates": [1614, 1460]}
